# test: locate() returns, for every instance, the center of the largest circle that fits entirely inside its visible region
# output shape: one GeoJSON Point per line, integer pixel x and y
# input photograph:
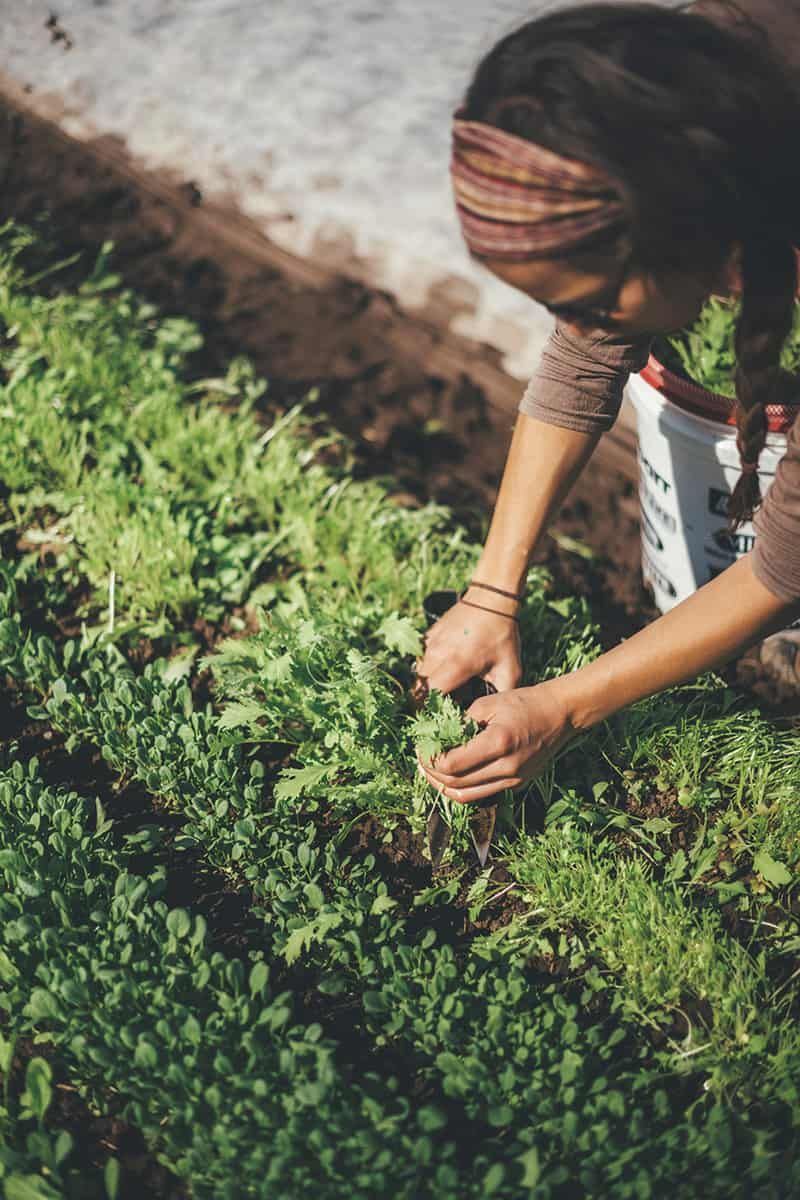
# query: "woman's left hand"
{"type": "Point", "coordinates": [522, 731]}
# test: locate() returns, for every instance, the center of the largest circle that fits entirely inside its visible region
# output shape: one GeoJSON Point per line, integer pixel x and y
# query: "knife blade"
{"type": "Point", "coordinates": [439, 835]}
{"type": "Point", "coordinates": [481, 828]}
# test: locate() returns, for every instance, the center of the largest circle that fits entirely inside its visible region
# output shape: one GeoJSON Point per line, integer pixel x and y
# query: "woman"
{"type": "Point", "coordinates": [618, 163]}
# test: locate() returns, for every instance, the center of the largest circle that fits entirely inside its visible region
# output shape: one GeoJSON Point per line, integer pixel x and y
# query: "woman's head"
{"type": "Point", "coordinates": [693, 125]}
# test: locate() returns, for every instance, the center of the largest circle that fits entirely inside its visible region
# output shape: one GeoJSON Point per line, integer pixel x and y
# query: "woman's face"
{"type": "Point", "coordinates": [588, 294]}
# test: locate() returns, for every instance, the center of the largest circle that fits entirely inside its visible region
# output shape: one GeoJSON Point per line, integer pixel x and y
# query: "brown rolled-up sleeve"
{"type": "Point", "coordinates": [776, 555]}
{"type": "Point", "coordinates": [581, 377]}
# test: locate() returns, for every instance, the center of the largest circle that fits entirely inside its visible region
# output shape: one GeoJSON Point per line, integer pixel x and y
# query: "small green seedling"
{"type": "Point", "coordinates": [439, 727]}
{"type": "Point", "coordinates": [706, 349]}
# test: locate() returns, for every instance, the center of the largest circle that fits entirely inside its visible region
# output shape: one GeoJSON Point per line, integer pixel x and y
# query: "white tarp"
{"type": "Point", "coordinates": [326, 121]}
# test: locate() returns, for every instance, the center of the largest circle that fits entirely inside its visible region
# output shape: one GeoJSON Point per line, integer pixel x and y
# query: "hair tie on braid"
{"type": "Point", "coordinates": [745, 467]}
{"type": "Point", "coordinates": [749, 468]}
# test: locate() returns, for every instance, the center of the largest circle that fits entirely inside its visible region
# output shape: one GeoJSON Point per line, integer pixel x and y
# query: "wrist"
{"type": "Point", "coordinates": [579, 707]}
{"type": "Point", "coordinates": [492, 601]}
{"type": "Point", "coordinates": [550, 707]}
{"type": "Point", "coordinates": [508, 570]}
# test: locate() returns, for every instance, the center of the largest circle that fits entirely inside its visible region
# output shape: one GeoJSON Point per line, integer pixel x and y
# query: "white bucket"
{"type": "Point", "coordinates": [688, 467]}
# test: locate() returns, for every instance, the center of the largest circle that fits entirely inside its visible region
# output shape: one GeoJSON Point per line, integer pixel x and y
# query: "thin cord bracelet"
{"type": "Point", "coordinates": [483, 608]}
{"type": "Point", "coordinates": [490, 588]}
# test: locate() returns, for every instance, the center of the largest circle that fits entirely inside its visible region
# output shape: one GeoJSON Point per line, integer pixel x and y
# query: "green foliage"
{"type": "Point", "coordinates": [610, 1036]}
{"type": "Point", "coordinates": [314, 685]}
{"type": "Point", "coordinates": [703, 744]}
{"type": "Point", "coordinates": [665, 958]}
{"type": "Point", "coordinates": [220, 1044]}
{"type": "Point", "coordinates": [128, 988]}
{"type": "Point", "coordinates": [441, 726]}
{"type": "Point", "coordinates": [178, 489]}
{"type": "Point", "coordinates": [36, 1163]}
{"type": "Point", "coordinates": [313, 917]}
{"type": "Point", "coordinates": [706, 351]}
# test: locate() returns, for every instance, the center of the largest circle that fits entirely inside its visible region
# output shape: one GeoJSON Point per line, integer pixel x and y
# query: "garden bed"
{"type": "Point", "coordinates": [212, 796]}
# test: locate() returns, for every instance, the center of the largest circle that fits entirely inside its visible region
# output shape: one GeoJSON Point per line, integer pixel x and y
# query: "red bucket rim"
{"type": "Point", "coordinates": [694, 398]}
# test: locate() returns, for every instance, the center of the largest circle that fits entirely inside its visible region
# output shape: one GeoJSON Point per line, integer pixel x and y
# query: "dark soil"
{"type": "Point", "coordinates": [407, 871]}
{"type": "Point", "coordinates": [97, 1137]}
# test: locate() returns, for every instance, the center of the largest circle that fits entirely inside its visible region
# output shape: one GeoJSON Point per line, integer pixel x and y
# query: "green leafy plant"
{"type": "Point", "coordinates": [706, 350]}
{"type": "Point", "coordinates": [441, 726]}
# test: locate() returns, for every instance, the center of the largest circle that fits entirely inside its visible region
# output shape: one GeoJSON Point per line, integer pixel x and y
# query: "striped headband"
{"type": "Point", "coordinates": [517, 200]}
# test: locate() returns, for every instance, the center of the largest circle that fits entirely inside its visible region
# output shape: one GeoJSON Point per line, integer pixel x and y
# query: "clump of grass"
{"type": "Point", "coordinates": [666, 958]}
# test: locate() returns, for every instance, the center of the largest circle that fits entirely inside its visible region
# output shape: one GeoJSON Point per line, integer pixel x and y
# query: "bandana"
{"type": "Point", "coordinates": [517, 201]}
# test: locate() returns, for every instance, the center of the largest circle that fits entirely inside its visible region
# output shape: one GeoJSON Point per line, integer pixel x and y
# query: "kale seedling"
{"type": "Point", "coordinates": [440, 726]}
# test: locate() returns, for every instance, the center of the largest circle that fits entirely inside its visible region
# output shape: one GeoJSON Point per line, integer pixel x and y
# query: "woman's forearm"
{"type": "Point", "coordinates": [719, 621]}
{"type": "Point", "coordinates": [543, 462]}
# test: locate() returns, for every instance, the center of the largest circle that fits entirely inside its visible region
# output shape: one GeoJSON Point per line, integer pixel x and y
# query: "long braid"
{"type": "Point", "coordinates": [769, 279]}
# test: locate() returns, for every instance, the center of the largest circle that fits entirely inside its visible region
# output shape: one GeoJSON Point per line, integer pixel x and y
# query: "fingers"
{"type": "Point", "coordinates": [470, 795]}
{"type": "Point", "coordinates": [463, 644]}
{"type": "Point", "coordinates": [447, 675]}
{"type": "Point", "coordinates": [419, 691]}
{"type": "Point", "coordinates": [443, 672]}
{"type": "Point", "coordinates": [498, 768]}
{"type": "Point", "coordinates": [521, 731]}
{"type": "Point", "coordinates": [484, 709]}
{"type": "Point", "coordinates": [486, 758]}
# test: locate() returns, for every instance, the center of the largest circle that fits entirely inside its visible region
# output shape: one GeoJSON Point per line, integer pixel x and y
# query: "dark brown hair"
{"type": "Point", "coordinates": [697, 123]}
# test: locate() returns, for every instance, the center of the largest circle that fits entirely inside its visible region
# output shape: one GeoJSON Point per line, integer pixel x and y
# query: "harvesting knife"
{"type": "Point", "coordinates": [483, 815]}
{"type": "Point", "coordinates": [439, 834]}
{"type": "Point", "coordinates": [481, 827]}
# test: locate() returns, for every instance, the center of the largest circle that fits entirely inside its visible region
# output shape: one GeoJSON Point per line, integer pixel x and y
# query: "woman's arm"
{"type": "Point", "coordinates": [776, 557]}
{"type": "Point", "coordinates": [525, 728]}
{"type": "Point", "coordinates": [543, 462]}
{"type": "Point", "coordinates": [708, 629]}
{"type": "Point", "coordinates": [573, 397]}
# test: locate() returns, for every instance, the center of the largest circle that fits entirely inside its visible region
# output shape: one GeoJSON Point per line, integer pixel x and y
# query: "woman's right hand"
{"type": "Point", "coordinates": [469, 642]}
{"type": "Point", "coordinates": [543, 461]}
